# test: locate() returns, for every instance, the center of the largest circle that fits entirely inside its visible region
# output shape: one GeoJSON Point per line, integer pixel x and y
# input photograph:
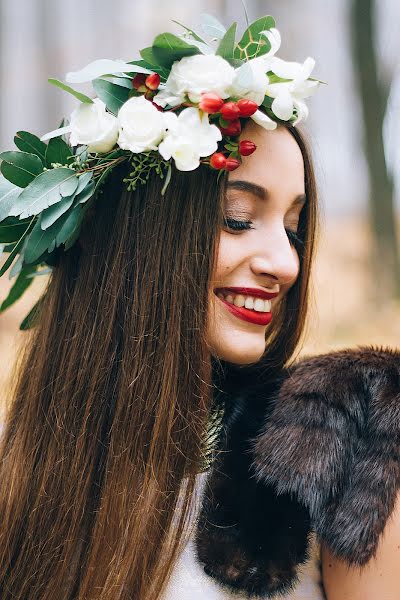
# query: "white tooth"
{"type": "Point", "coordinates": [268, 305]}
{"type": "Point", "coordinates": [229, 299]}
{"type": "Point", "coordinates": [220, 295]}
{"type": "Point", "coordinates": [259, 305]}
{"type": "Point", "coordinates": [238, 300]}
{"type": "Point", "coordinates": [249, 302]}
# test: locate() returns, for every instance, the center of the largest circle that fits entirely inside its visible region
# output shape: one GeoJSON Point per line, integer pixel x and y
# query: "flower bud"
{"type": "Point", "coordinates": [246, 147]}
{"type": "Point", "coordinates": [234, 128]}
{"type": "Point", "coordinates": [210, 103]}
{"type": "Point", "coordinates": [218, 160]}
{"type": "Point", "coordinates": [230, 111]}
{"type": "Point", "coordinates": [247, 107]}
{"type": "Point", "coordinates": [232, 164]}
{"type": "Point", "coordinates": [139, 81]}
{"type": "Point", "coordinates": [153, 81]}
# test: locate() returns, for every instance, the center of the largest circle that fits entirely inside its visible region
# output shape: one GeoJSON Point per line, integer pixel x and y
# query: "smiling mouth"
{"type": "Point", "coordinates": [252, 309]}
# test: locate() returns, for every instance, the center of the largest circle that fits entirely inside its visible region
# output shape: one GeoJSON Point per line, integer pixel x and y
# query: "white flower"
{"type": "Point", "coordinates": [92, 126]}
{"type": "Point", "coordinates": [189, 137]}
{"type": "Point", "coordinates": [251, 80]}
{"type": "Point", "coordinates": [275, 39]}
{"type": "Point", "coordinates": [141, 125]}
{"type": "Point", "coordinates": [193, 75]}
{"type": "Point", "coordinates": [290, 95]}
{"type": "Point", "coordinates": [264, 120]}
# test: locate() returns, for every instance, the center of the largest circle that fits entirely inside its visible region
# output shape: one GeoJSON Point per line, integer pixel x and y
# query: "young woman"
{"type": "Point", "coordinates": [169, 299]}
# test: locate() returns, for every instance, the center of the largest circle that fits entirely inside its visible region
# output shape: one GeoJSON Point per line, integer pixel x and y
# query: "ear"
{"type": "Point", "coordinates": [333, 440]}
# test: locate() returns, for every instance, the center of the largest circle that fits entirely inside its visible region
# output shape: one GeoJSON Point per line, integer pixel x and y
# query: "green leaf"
{"type": "Point", "coordinates": [12, 229]}
{"type": "Point", "coordinates": [70, 229]}
{"type": "Point", "coordinates": [21, 284]}
{"type": "Point", "coordinates": [32, 316]}
{"type": "Point", "coordinates": [53, 213]}
{"type": "Point", "coordinates": [82, 97]}
{"type": "Point", "coordinates": [226, 46]}
{"type": "Point", "coordinates": [16, 248]}
{"type": "Point", "coordinates": [85, 194]}
{"type": "Point", "coordinates": [114, 96]}
{"type": "Point", "coordinates": [253, 42]}
{"type": "Point", "coordinates": [150, 67]}
{"type": "Point", "coordinates": [212, 27]}
{"type": "Point", "coordinates": [167, 48]}
{"type": "Point", "coordinates": [192, 33]}
{"type": "Point", "coordinates": [39, 240]}
{"type": "Point", "coordinates": [47, 189]}
{"type": "Point", "coordinates": [8, 194]}
{"type": "Point", "coordinates": [20, 167]}
{"type": "Point", "coordinates": [27, 142]}
{"type": "Point", "coordinates": [58, 152]}
{"type": "Point", "coordinates": [148, 57]}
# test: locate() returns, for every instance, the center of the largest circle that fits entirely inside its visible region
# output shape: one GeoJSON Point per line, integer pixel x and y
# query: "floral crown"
{"type": "Point", "coordinates": [184, 102]}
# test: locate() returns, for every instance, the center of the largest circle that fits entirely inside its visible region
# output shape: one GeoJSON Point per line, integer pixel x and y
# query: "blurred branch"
{"type": "Point", "coordinates": [373, 96]}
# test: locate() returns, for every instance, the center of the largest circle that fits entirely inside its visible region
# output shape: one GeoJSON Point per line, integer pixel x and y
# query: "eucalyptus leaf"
{"type": "Point", "coordinates": [58, 152]}
{"type": "Point", "coordinates": [212, 27]}
{"type": "Point", "coordinates": [190, 31]}
{"type": "Point", "coordinates": [98, 68]}
{"type": "Point", "coordinates": [167, 48]}
{"type": "Point", "coordinates": [8, 195]}
{"type": "Point", "coordinates": [78, 95]}
{"type": "Point", "coordinates": [125, 82]}
{"type": "Point", "coordinates": [83, 181]}
{"type": "Point", "coordinates": [48, 188]}
{"type": "Point", "coordinates": [71, 227]}
{"type": "Point", "coordinates": [16, 248]}
{"type": "Point", "coordinates": [85, 194]}
{"type": "Point", "coordinates": [39, 240]}
{"type": "Point", "coordinates": [20, 167]}
{"type": "Point", "coordinates": [53, 213]}
{"type": "Point", "coordinates": [114, 96]}
{"type": "Point", "coordinates": [45, 271]}
{"type": "Point", "coordinates": [27, 142]}
{"type": "Point", "coordinates": [254, 43]}
{"type": "Point", "coordinates": [30, 320]}
{"type": "Point", "coordinates": [150, 67]}
{"type": "Point", "coordinates": [12, 229]}
{"type": "Point", "coordinates": [21, 284]}
{"type": "Point", "coordinates": [226, 46]}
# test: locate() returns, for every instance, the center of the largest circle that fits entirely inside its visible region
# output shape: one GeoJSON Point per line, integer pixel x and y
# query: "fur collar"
{"type": "Point", "coordinates": [315, 450]}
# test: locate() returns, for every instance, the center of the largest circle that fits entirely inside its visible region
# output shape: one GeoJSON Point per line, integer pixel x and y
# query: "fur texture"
{"type": "Point", "coordinates": [316, 449]}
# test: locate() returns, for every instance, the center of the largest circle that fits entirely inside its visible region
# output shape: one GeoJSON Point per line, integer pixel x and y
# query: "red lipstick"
{"type": "Point", "coordinates": [258, 318]}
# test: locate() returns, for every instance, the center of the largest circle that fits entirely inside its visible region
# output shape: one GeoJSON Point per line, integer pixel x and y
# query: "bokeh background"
{"type": "Point", "coordinates": [353, 128]}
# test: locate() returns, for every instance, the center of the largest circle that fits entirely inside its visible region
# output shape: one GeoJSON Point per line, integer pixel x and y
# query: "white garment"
{"type": "Point", "coordinates": [190, 582]}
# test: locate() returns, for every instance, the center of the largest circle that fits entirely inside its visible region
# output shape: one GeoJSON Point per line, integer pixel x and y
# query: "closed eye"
{"type": "Point", "coordinates": [236, 225]}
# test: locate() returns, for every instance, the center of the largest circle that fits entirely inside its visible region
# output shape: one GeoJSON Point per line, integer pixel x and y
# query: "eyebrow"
{"type": "Point", "coordinates": [257, 190]}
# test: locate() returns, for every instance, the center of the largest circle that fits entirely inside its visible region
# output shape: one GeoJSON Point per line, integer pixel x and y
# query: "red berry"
{"type": "Point", "coordinates": [246, 147]}
{"type": "Point", "coordinates": [232, 164]}
{"type": "Point", "coordinates": [139, 81]}
{"type": "Point", "coordinates": [230, 111]}
{"type": "Point", "coordinates": [234, 128]}
{"type": "Point", "coordinates": [247, 107]}
{"type": "Point", "coordinates": [210, 103]}
{"type": "Point", "coordinates": [153, 81]}
{"type": "Point", "coordinates": [218, 160]}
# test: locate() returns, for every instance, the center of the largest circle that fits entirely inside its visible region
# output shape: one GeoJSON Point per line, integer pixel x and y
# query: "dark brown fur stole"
{"type": "Point", "coordinates": [316, 449]}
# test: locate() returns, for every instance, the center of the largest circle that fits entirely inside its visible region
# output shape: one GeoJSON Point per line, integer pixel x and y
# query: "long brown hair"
{"type": "Point", "coordinates": [113, 393]}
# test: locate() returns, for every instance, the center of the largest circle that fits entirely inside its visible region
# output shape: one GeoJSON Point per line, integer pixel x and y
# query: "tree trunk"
{"type": "Point", "coordinates": [386, 262]}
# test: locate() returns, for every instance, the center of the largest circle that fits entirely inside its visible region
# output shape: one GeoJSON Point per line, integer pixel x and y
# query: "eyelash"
{"type": "Point", "coordinates": [244, 225]}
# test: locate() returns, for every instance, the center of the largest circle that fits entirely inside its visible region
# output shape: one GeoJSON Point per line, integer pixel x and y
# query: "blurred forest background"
{"type": "Point", "coordinates": [354, 127]}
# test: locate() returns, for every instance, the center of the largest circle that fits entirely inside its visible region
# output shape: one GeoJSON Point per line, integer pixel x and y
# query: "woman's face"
{"type": "Point", "coordinates": [256, 261]}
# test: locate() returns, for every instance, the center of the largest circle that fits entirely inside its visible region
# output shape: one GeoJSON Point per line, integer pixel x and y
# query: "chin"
{"type": "Point", "coordinates": [240, 349]}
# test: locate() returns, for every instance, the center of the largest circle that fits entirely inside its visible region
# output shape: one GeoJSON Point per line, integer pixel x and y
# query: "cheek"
{"type": "Point", "coordinates": [229, 255]}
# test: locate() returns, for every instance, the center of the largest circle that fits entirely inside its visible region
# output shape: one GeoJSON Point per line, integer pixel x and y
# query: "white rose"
{"type": "Point", "coordinates": [189, 137]}
{"type": "Point", "coordinates": [141, 125]}
{"type": "Point", "coordinates": [92, 126]}
{"type": "Point", "coordinates": [193, 75]}
{"type": "Point", "coordinates": [251, 80]}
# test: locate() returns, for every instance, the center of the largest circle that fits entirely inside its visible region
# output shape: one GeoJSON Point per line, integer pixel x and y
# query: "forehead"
{"type": "Point", "coordinates": [276, 165]}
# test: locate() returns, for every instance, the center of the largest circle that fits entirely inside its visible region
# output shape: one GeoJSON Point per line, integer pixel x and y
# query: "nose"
{"type": "Point", "coordinates": [274, 257]}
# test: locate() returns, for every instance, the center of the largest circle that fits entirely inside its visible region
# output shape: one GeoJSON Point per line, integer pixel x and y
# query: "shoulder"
{"type": "Point", "coordinates": [379, 578]}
